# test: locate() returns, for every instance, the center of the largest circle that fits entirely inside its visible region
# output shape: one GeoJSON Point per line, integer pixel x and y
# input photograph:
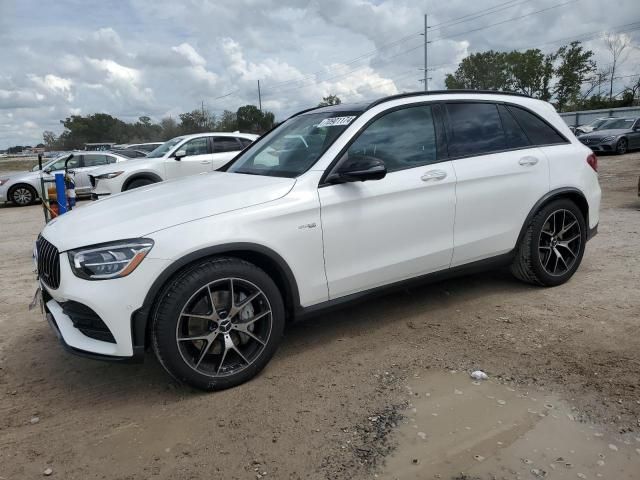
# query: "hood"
{"type": "Point", "coordinates": [130, 164]}
{"type": "Point", "coordinates": [27, 175]}
{"type": "Point", "coordinates": [605, 133]}
{"type": "Point", "coordinates": [140, 212]}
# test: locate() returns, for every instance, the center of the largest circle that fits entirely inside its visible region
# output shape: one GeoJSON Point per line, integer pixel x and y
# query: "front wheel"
{"type": "Point", "coordinates": [553, 245]}
{"type": "Point", "coordinates": [140, 182]}
{"type": "Point", "coordinates": [23, 195]}
{"type": "Point", "coordinates": [622, 146]}
{"type": "Point", "coordinates": [218, 324]}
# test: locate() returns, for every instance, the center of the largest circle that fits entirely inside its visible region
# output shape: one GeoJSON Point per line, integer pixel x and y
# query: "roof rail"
{"type": "Point", "coordinates": [440, 92]}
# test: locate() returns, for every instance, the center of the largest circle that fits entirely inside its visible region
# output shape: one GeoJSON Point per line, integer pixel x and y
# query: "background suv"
{"type": "Point", "coordinates": [23, 188]}
{"type": "Point", "coordinates": [335, 203]}
{"type": "Point", "coordinates": [178, 157]}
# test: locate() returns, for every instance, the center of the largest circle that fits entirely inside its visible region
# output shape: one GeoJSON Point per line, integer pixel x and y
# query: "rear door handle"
{"type": "Point", "coordinates": [528, 161]}
{"type": "Point", "coordinates": [205, 162]}
{"type": "Point", "coordinates": [433, 175]}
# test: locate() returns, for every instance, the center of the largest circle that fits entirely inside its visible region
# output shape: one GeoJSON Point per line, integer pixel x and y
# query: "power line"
{"type": "Point", "coordinates": [476, 15]}
{"type": "Point", "coordinates": [505, 21]}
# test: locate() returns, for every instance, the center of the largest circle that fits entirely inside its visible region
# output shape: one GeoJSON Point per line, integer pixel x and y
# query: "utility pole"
{"type": "Point", "coordinates": [426, 63]}
{"type": "Point", "coordinates": [259, 97]}
{"type": "Point", "coordinates": [202, 110]}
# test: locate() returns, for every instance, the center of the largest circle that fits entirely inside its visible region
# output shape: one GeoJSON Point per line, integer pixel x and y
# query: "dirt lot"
{"type": "Point", "coordinates": [337, 399]}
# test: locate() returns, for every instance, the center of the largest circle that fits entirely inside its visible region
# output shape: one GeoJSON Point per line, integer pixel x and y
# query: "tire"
{"type": "Point", "coordinates": [222, 347]}
{"type": "Point", "coordinates": [22, 195]}
{"type": "Point", "coordinates": [544, 243]}
{"type": "Point", "coordinates": [622, 146]}
{"type": "Point", "coordinates": [139, 182]}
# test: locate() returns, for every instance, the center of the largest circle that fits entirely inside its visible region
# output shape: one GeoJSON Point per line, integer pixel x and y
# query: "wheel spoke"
{"type": "Point", "coordinates": [197, 315]}
{"type": "Point", "coordinates": [212, 304]}
{"type": "Point", "coordinates": [244, 328]}
{"type": "Point", "coordinates": [566, 229]}
{"type": "Point", "coordinates": [559, 255]}
{"type": "Point", "coordinates": [205, 349]}
{"type": "Point", "coordinates": [193, 339]}
{"type": "Point", "coordinates": [235, 308]}
{"type": "Point", "coordinates": [564, 245]}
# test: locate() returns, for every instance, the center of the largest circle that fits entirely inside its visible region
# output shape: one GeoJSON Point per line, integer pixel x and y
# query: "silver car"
{"type": "Point", "coordinates": [618, 135]}
{"type": "Point", "coordinates": [23, 188]}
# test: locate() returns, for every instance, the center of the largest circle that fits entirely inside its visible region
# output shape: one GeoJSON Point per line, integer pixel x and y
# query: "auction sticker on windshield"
{"type": "Point", "coordinates": [336, 121]}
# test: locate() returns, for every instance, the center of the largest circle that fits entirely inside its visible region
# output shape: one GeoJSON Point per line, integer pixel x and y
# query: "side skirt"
{"type": "Point", "coordinates": [503, 260]}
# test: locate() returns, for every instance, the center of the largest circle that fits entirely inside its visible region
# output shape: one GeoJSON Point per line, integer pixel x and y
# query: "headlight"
{"type": "Point", "coordinates": [111, 260]}
{"type": "Point", "coordinates": [607, 139]}
{"type": "Point", "coordinates": [109, 175]}
{"type": "Point", "coordinates": [3, 181]}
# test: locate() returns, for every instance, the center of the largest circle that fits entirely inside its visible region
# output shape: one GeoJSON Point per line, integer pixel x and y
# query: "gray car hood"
{"type": "Point", "coordinates": [605, 133]}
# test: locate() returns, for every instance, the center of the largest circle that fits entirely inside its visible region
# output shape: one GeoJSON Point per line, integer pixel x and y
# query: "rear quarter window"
{"type": "Point", "coordinates": [537, 130]}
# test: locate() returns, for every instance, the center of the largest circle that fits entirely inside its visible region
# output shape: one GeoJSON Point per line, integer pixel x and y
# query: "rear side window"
{"type": "Point", "coordinates": [514, 135]}
{"type": "Point", "coordinates": [402, 139]}
{"type": "Point", "coordinates": [474, 129]}
{"type": "Point", "coordinates": [95, 160]}
{"type": "Point", "coordinates": [222, 144]}
{"type": "Point", "coordinates": [538, 131]}
{"type": "Point", "coordinates": [245, 142]}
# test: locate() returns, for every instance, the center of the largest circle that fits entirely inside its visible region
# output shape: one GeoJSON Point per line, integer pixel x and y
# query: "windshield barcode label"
{"type": "Point", "coordinates": [335, 121]}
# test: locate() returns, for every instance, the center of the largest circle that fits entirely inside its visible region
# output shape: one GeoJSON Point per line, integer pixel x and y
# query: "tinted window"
{"type": "Point", "coordinates": [474, 129]}
{"type": "Point", "coordinates": [245, 142]}
{"type": "Point", "coordinates": [197, 146]}
{"type": "Point", "coordinates": [95, 160]}
{"type": "Point", "coordinates": [402, 139]}
{"type": "Point", "coordinates": [221, 144]}
{"type": "Point", "coordinates": [111, 159]}
{"type": "Point", "coordinates": [59, 165]}
{"type": "Point", "coordinates": [514, 135]}
{"type": "Point", "coordinates": [539, 132]}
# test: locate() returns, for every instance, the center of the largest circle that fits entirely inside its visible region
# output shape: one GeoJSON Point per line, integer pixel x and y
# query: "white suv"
{"type": "Point", "coordinates": [335, 203]}
{"type": "Point", "coordinates": [178, 157]}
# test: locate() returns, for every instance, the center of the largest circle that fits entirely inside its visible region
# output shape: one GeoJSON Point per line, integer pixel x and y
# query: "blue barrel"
{"type": "Point", "coordinates": [61, 194]}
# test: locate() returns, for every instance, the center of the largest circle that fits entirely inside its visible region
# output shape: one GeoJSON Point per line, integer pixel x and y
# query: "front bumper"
{"type": "Point", "coordinates": [601, 146]}
{"type": "Point", "coordinates": [114, 301]}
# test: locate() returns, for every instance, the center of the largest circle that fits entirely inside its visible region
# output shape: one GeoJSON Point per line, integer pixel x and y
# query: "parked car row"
{"type": "Point", "coordinates": [615, 135]}
{"type": "Point", "coordinates": [178, 157]}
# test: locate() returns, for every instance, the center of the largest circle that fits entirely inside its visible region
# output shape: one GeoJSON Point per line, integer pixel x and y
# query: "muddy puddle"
{"type": "Point", "coordinates": [456, 427]}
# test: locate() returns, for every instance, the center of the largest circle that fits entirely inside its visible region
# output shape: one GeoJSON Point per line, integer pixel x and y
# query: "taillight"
{"type": "Point", "coordinates": [592, 160]}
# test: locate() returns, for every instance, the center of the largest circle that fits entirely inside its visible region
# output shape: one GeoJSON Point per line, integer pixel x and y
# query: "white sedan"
{"type": "Point", "coordinates": [178, 157]}
{"type": "Point", "coordinates": [23, 188]}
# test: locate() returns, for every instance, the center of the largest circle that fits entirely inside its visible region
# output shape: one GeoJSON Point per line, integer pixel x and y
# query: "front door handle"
{"type": "Point", "coordinates": [433, 175]}
{"type": "Point", "coordinates": [528, 161]}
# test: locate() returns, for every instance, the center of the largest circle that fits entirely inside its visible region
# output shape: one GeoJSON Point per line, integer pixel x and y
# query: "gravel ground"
{"type": "Point", "coordinates": [307, 415]}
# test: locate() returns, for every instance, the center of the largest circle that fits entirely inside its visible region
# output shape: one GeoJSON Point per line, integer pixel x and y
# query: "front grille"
{"type": "Point", "coordinates": [92, 179]}
{"type": "Point", "coordinates": [87, 321]}
{"type": "Point", "coordinates": [48, 262]}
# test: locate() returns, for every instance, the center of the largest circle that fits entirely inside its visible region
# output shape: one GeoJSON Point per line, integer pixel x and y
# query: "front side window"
{"type": "Point", "coordinates": [401, 139]}
{"type": "Point", "coordinates": [537, 130]}
{"type": "Point", "coordinates": [228, 144]}
{"type": "Point", "coordinates": [293, 147]}
{"type": "Point", "coordinates": [196, 146]}
{"type": "Point", "coordinates": [474, 129]}
{"type": "Point", "coordinates": [59, 164]}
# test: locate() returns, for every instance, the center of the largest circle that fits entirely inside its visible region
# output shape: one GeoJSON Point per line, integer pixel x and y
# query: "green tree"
{"type": "Point", "coordinates": [481, 71]}
{"type": "Point", "coordinates": [227, 122]}
{"type": "Point", "coordinates": [196, 121]}
{"type": "Point", "coordinates": [575, 66]}
{"type": "Point", "coordinates": [530, 72]}
{"type": "Point", "coordinates": [169, 128]}
{"type": "Point", "coordinates": [330, 100]}
{"type": "Point", "coordinates": [50, 139]}
{"type": "Point", "coordinates": [251, 119]}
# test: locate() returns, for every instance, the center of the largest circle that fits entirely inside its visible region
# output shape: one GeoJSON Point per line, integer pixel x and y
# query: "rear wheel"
{"type": "Point", "coordinates": [218, 324]}
{"type": "Point", "coordinates": [23, 195]}
{"type": "Point", "coordinates": [553, 245]}
{"type": "Point", "coordinates": [622, 146]}
{"type": "Point", "coordinates": [139, 182]}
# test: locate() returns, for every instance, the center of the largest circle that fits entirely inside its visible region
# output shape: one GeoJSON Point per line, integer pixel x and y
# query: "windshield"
{"type": "Point", "coordinates": [163, 149]}
{"type": "Point", "coordinates": [618, 123]}
{"type": "Point", "coordinates": [52, 164]}
{"type": "Point", "coordinates": [598, 122]}
{"type": "Point", "coordinates": [293, 147]}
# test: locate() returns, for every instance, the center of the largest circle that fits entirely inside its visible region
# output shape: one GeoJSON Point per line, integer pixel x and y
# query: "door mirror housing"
{"type": "Point", "coordinates": [180, 154]}
{"type": "Point", "coordinates": [358, 168]}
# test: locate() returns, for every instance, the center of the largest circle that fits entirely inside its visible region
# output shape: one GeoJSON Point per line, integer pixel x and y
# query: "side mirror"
{"type": "Point", "coordinates": [47, 171]}
{"type": "Point", "coordinates": [358, 168]}
{"type": "Point", "coordinates": [180, 154]}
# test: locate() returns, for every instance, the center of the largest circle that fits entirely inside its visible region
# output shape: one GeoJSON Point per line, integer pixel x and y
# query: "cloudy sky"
{"type": "Point", "coordinates": [162, 57]}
